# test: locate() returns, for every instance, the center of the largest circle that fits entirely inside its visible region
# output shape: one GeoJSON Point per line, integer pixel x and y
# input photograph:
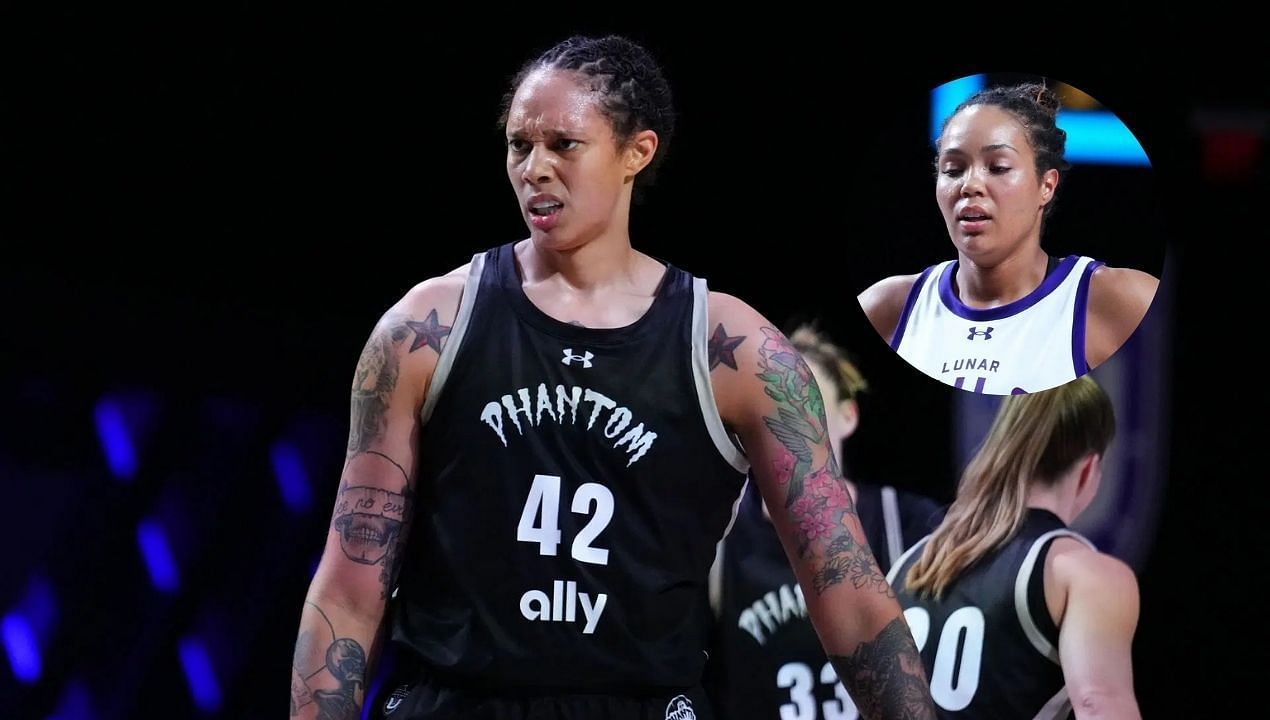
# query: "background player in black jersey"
{"type": "Point", "coordinates": [585, 121]}
{"type": "Point", "coordinates": [766, 661]}
{"type": "Point", "coordinates": [1002, 589]}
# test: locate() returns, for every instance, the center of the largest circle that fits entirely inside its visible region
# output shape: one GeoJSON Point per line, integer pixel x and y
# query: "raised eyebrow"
{"type": "Point", "coordinates": [984, 149]}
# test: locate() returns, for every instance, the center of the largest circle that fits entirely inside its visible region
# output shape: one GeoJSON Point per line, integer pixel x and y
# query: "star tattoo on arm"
{"type": "Point", "coordinates": [430, 332]}
{"type": "Point", "coordinates": [721, 346]}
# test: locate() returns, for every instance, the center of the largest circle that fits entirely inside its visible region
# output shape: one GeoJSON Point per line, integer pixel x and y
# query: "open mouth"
{"type": "Point", "coordinates": [545, 209]}
{"type": "Point", "coordinates": [972, 214]}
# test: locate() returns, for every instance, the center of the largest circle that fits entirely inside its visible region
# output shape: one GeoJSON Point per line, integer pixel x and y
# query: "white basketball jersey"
{"type": "Point", "coordinates": [1034, 343]}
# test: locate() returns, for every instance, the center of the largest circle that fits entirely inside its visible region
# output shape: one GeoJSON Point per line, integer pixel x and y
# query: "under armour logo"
{"type": "Point", "coordinates": [570, 358]}
{"type": "Point", "coordinates": [987, 334]}
{"type": "Point", "coordinates": [680, 708]}
{"type": "Point", "coordinates": [394, 700]}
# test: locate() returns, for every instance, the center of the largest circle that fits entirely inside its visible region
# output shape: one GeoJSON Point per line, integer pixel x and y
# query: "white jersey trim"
{"type": "Point", "coordinates": [446, 360]}
{"type": "Point", "coordinates": [895, 567]}
{"type": "Point", "coordinates": [891, 522]}
{"type": "Point", "coordinates": [701, 377]}
{"type": "Point", "coordinates": [1057, 708]}
{"type": "Point", "coordinates": [1028, 623]}
{"type": "Point", "coordinates": [715, 580]}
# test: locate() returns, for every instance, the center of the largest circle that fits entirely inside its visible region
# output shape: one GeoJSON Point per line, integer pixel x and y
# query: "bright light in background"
{"type": "Point", "coordinates": [26, 628]}
{"type": "Point", "coordinates": [157, 553]}
{"type": "Point", "coordinates": [21, 647]}
{"type": "Point", "coordinates": [1098, 137]}
{"type": "Point", "coordinates": [116, 440]}
{"type": "Point", "coordinates": [945, 98]}
{"type": "Point", "coordinates": [1093, 136]}
{"type": "Point", "coordinates": [293, 481]}
{"type": "Point", "coordinates": [198, 672]}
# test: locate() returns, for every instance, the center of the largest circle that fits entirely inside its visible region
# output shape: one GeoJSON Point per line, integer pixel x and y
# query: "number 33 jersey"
{"type": "Point", "coordinates": [572, 483]}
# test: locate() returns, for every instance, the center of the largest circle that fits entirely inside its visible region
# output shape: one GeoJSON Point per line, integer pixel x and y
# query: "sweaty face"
{"type": "Point", "coordinates": [563, 160]}
{"type": "Point", "coordinates": [987, 187]}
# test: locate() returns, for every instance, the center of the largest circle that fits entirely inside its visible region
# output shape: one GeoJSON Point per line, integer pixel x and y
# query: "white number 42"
{"type": "Point", "coordinates": [539, 521]}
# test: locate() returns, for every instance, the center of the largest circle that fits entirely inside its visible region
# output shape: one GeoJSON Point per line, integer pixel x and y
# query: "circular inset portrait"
{"type": "Point", "coordinates": [1038, 258]}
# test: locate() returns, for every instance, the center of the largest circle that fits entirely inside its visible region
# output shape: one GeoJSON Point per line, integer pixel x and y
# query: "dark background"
{"type": "Point", "coordinates": [204, 217]}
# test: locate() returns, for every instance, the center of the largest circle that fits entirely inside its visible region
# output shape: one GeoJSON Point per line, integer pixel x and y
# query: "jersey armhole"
{"type": "Point", "coordinates": [909, 303]}
{"type": "Point", "coordinates": [1080, 318]}
{"type": "Point", "coordinates": [714, 582]}
{"type": "Point", "coordinates": [462, 319]}
{"type": "Point", "coordinates": [724, 442]}
{"type": "Point", "coordinates": [1021, 607]}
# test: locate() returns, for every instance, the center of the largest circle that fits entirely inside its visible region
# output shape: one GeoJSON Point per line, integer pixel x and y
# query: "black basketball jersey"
{"type": "Point", "coordinates": [767, 661]}
{"type": "Point", "coordinates": [572, 486]}
{"type": "Point", "coordinates": [990, 647]}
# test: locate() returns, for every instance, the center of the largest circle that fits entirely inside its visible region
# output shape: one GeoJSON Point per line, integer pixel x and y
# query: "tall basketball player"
{"type": "Point", "coordinates": [549, 441]}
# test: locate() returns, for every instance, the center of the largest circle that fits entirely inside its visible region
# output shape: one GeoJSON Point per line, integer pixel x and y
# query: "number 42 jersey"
{"type": "Point", "coordinates": [572, 485]}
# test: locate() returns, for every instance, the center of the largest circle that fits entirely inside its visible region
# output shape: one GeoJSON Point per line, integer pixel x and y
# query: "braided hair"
{"type": "Point", "coordinates": [634, 93]}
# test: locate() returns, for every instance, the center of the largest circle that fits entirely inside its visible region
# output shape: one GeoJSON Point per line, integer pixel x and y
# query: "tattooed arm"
{"type": "Point", "coordinates": [341, 619]}
{"type": "Point", "coordinates": [769, 398]}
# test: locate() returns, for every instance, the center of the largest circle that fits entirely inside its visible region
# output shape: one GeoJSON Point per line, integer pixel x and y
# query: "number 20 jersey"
{"type": "Point", "coordinates": [989, 645]}
{"type": "Point", "coordinates": [572, 484]}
